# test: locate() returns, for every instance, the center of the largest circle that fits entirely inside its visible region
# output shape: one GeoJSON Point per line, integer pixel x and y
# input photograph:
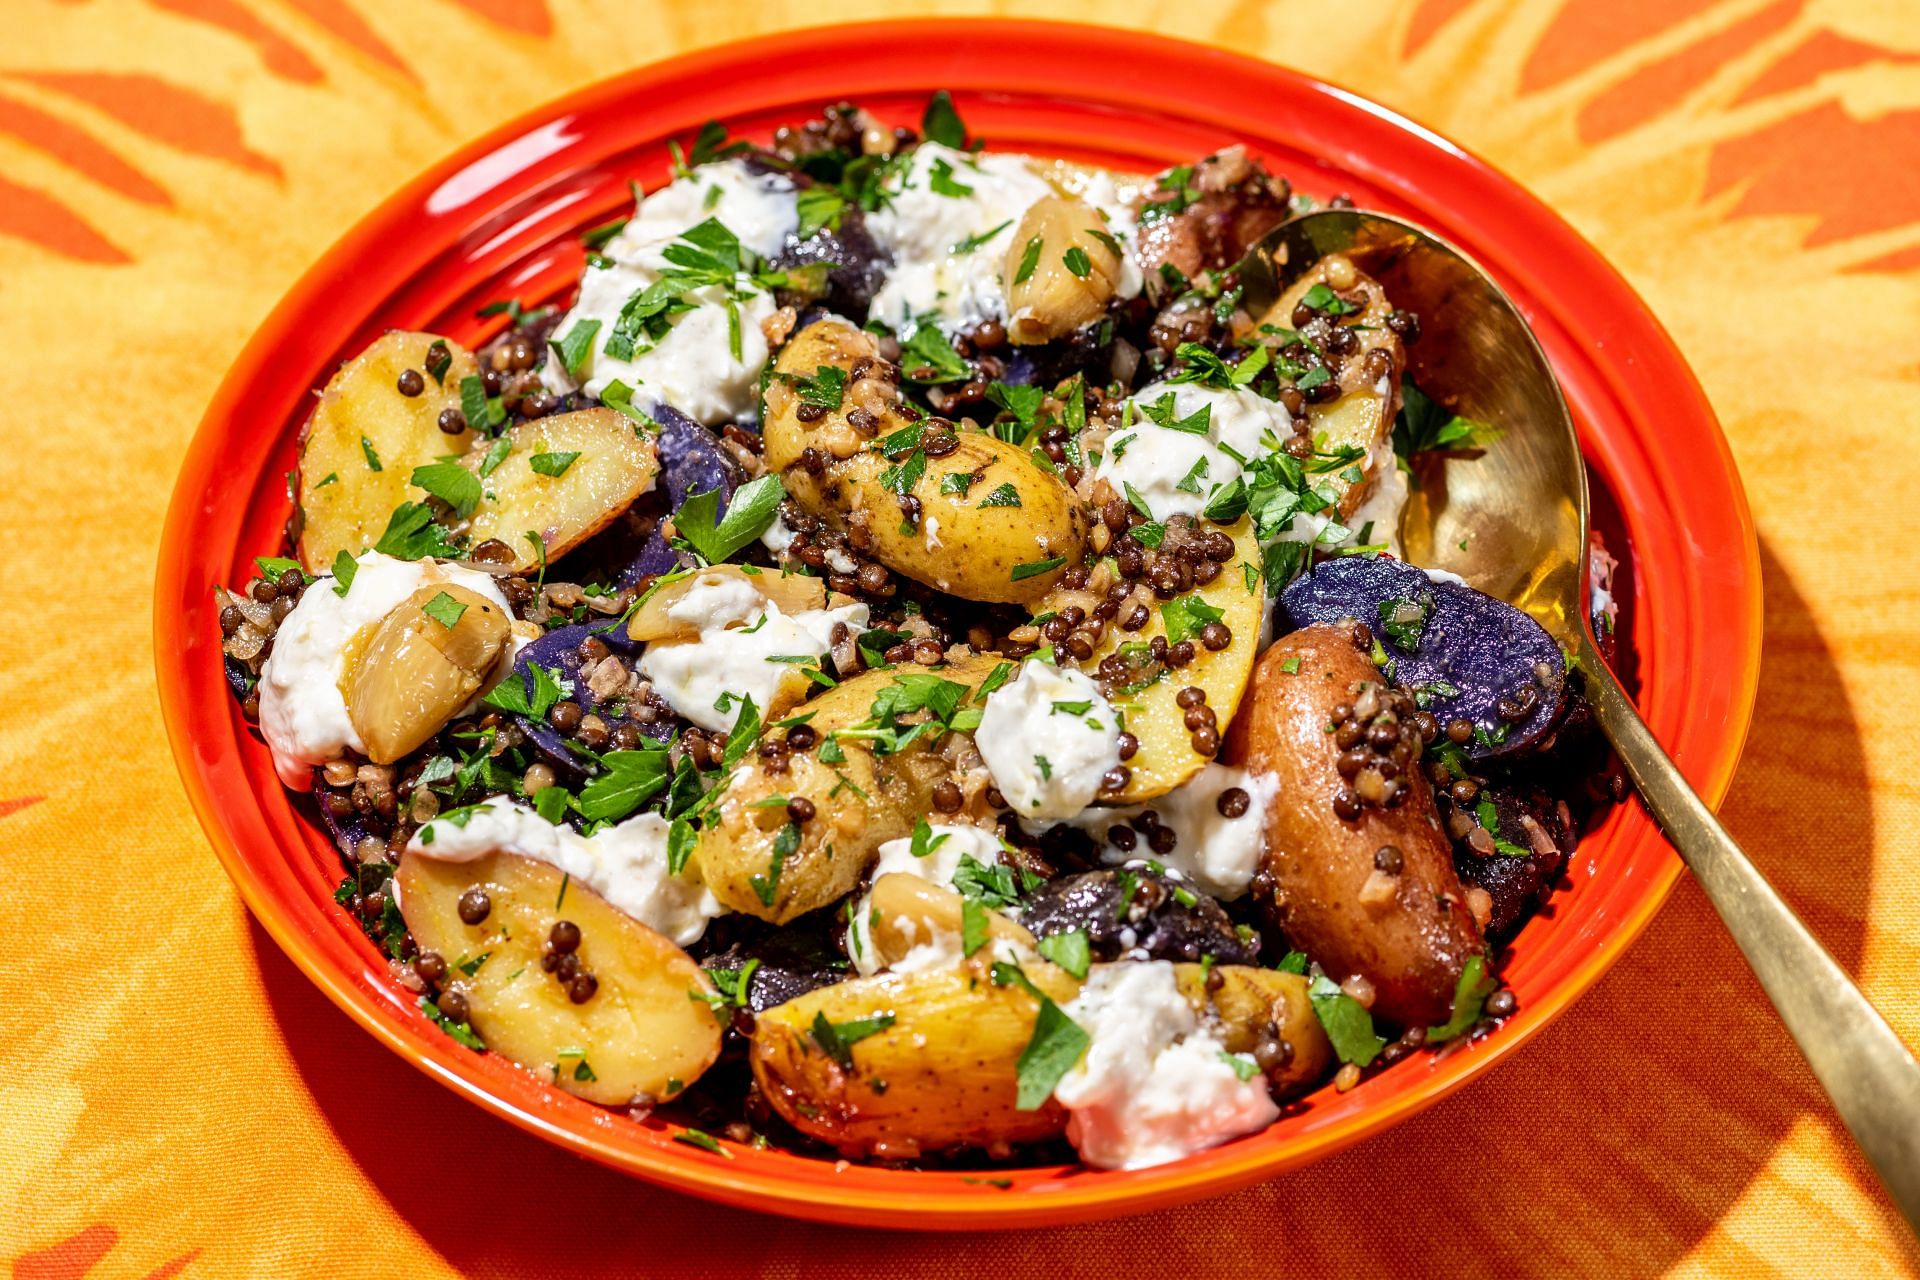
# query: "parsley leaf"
{"type": "Point", "coordinates": [749, 513]}
{"type": "Point", "coordinates": [973, 926]}
{"type": "Point", "coordinates": [344, 567]}
{"type": "Point", "coordinates": [1029, 260]}
{"type": "Point", "coordinates": [574, 349]}
{"type": "Point", "coordinates": [530, 694]}
{"type": "Point", "coordinates": [452, 483]}
{"type": "Point", "coordinates": [1076, 261]}
{"type": "Point", "coordinates": [1056, 1046]}
{"type": "Point", "coordinates": [941, 123]}
{"type": "Point", "coordinates": [1469, 998]}
{"type": "Point", "coordinates": [1034, 568]}
{"type": "Point", "coordinates": [629, 779]}
{"type": "Point", "coordinates": [820, 207]}
{"type": "Point", "coordinates": [1349, 1026]}
{"type": "Point", "coordinates": [836, 1039]}
{"type": "Point", "coordinates": [444, 609]}
{"type": "Point", "coordinates": [1005, 496]}
{"type": "Point", "coordinates": [929, 358]}
{"type": "Point", "coordinates": [373, 459]}
{"type": "Point", "coordinates": [1068, 950]}
{"type": "Point", "coordinates": [411, 534]}
{"type": "Point", "coordinates": [553, 464]}
{"type": "Point", "coordinates": [941, 182]}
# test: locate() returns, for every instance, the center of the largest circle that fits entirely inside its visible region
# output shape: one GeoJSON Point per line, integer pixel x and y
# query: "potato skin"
{"type": "Point", "coordinates": [944, 1075]}
{"type": "Point", "coordinates": [1411, 947]}
{"type": "Point", "coordinates": [837, 846]}
{"type": "Point", "coordinates": [959, 546]}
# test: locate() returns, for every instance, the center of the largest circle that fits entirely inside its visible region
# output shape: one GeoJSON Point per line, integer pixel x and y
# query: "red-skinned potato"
{"type": "Point", "coordinates": [1407, 933]}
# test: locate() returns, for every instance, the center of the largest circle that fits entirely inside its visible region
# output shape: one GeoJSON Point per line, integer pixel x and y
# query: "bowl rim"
{"type": "Point", "coordinates": [1073, 1198]}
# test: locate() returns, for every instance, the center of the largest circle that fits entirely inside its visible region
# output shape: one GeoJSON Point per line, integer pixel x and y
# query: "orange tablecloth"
{"type": "Point", "coordinates": [175, 1099]}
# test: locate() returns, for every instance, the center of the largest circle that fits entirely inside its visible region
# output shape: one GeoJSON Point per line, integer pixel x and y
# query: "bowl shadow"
{"type": "Point", "coordinates": [1612, 1147]}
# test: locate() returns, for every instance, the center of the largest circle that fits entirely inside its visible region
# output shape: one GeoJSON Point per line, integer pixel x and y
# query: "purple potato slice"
{"type": "Point", "coordinates": [347, 832]}
{"type": "Point", "coordinates": [1136, 910]}
{"type": "Point", "coordinates": [691, 461]}
{"type": "Point", "coordinates": [1534, 834]}
{"type": "Point", "coordinates": [857, 265]}
{"type": "Point", "coordinates": [1463, 654]}
{"type": "Point", "coordinates": [559, 650]}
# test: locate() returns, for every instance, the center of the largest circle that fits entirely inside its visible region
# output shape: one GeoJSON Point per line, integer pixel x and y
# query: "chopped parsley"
{"type": "Point", "coordinates": [553, 464]}
{"type": "Point", "coordinates": [452, 483]}
{"type": "Point", "coordinates": [576, 346]}
{"type": "Point", "coordinates": [1004, 496]}
{"type": "Point", "coordinates": [444, 609]}
{"type": "Point", "coordinates": [1034, 568]}
{"type": "Point", "coordinates": [836, 1039]}
{"type": "Point", "coordinates": [750, 511]}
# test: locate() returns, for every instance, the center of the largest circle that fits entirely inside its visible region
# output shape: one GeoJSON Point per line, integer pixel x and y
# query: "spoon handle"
{"type": "Point", "coordinates": [1869, 1074]}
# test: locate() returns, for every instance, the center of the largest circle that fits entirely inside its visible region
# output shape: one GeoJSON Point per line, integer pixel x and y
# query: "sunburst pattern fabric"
{"type": "Point", "coordinates": [176, 1100]}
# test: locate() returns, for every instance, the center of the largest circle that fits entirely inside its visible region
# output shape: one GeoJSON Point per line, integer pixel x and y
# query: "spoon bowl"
{"type": "Point", "coordinates": [1513, 522]}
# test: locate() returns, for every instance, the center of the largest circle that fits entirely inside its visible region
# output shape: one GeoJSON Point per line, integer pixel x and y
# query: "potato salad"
{"type": "Point", "coordinates": [900, 664]}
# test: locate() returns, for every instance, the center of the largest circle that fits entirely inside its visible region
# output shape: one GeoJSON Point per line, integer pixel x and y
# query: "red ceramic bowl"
{"type": "Point", "coordinates": [500, 218]}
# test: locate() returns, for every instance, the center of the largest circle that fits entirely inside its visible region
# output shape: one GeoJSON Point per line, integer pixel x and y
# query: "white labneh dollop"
{"type": "Point", "coordinates": [303, 713]}
{"type": "Point", "coordinates": [1175, 472]}
{"type": "Point", "coordinates": [947, 225]}
{"type": "Point", "coordinates": [626, 864]}
{"type": "Point", "coordinates": [1155, 1084]}
{"type": "Point", "coordinates": [745, 647]}
{"type": "Point", "coordinates": [692, 367]}
{"type": "Point", "coordinates": [1047, 738]}
{"type": "Point", "coordinates": [944, 848]}
{"type": "Point", "coordinates": [1214, 853]}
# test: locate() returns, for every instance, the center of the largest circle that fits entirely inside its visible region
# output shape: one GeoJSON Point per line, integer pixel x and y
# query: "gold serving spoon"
{"type": "Point", "coordinates": [1513, 523]}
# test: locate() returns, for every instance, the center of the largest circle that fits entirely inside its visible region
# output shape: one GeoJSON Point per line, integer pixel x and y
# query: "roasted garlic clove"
{"type": "Point", "coordinates": [1061, 270]}
{"type": "Point", "coordinates": [420, 665]}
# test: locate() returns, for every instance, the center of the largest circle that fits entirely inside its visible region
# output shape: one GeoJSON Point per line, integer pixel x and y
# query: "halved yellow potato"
{"type": "Point", "coordinates": [1166, 757]}
{"type": "Point", "coordinates": [905, 911]}
{"type": "Point", "coordinates": [791, 592]}
{"type": "Point", "coordinates": [1361, 416]}
{"type": "Point", "coordinates": [755, 860]}
{"type": "Point", "coordinates": [1254, 1003]}
{"type": "Point", "coordinates": [415, 669]}
{"type": "Point", "coordinates": [543, 503]}
{"type": "Point", "coordinates": [1002, 530]}
{"type": "Point", "coordinates": [364, 438]}
{"type": "Point", "coordinates": [645, 1034]}
{"type": "Point", "coordinates": [941, 1073]}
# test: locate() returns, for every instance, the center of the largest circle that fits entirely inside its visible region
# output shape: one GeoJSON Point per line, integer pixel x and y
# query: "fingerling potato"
{"type": "Point", "coordinates": [365, 437]}
{"type": "Point", "coordinates": [939, 1071]}
{"type": "Point", "coordinates": [1253, 1003]}
{"type": "Point", "coordinates": [646, 1031]}
{"type": "Point", "coordinates": [756, 859]}
{"type": "Point", "coordinates": [563, 480]}
{"type": "Point", "coordinates": [999, 530]}
{"type": "Point", "coordinates": [1167, 756]}
{"type": "Point", "coordinates": [1405, 932]}
{"type": "Point", "coordinates": [1361, 416]}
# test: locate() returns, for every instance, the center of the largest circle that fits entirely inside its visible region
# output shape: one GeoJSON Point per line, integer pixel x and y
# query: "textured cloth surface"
{"type": "Point", "coordinates": [175, 1099]}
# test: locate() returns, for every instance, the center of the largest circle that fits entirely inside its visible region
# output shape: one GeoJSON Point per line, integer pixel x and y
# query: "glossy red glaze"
{"type": "Point", "coordinates": [500, 218]}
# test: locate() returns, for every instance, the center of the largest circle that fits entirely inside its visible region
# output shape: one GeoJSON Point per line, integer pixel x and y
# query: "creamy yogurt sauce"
{"type": "Point", "coordinates": [743, 636]}
{"type": "Point", "coordinates": [626, 864]}
{"type": "Point", "coordinates": [1175, 472]}
{"type": "Point", "coordinates": [1156, 1084]}
{"type": "Point", "coordinates": [949, 245]}
{"type": "Point", "coordinates": [1216, 854]}
{"type": "Point", "coordinates": [693, 367]}
{"type": "Point", "coordinates": [1047, 738]}
{"type": "Point", "coordinates": [947, 845]}
{"type": "Point", "coordinates": [303, 713]}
